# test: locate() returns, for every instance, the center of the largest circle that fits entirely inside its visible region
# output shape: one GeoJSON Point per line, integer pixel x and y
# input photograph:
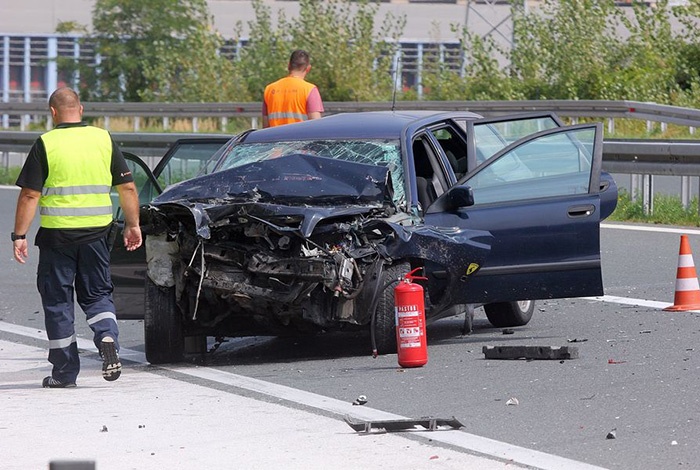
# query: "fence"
{"type": "Point", "coordinates": [37, 112]}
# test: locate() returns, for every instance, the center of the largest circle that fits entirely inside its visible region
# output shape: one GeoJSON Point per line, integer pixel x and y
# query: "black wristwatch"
{"type": "Point", "coordinates": [14, 236]}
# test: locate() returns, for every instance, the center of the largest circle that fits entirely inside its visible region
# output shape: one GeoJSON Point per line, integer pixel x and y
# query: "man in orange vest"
{"type": "Point", "coordinates": [292, 99]}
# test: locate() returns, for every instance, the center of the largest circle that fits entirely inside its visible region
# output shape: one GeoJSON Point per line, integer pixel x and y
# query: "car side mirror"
{"type": "Point", "coordinates": [460, 196]}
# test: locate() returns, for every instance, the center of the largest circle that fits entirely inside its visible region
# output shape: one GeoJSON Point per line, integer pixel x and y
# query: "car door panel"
{"type": "Point", "coordinates": [545, 227]}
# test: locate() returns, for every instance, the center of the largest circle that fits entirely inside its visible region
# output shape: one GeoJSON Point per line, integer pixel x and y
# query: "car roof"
{"type": "Point", "coordinates": [360, 125]}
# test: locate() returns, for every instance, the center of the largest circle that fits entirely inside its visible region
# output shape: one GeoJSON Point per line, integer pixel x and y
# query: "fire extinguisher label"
{"type": "Point", "coordinates": [409, 332]}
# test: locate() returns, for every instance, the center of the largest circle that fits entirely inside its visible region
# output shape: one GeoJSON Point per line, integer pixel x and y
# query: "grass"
{"type": "Point", "coordinates": [668, 210]}
{"type": "Point", "coordinates": [8, 176]}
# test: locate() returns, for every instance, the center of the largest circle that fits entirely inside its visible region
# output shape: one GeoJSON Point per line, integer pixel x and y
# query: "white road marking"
{"type": "Point", "coordinates": [648, 228]}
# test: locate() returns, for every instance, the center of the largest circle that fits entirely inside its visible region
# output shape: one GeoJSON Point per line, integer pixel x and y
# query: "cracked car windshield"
{"type": "Point", "coordinates": [374, 152]}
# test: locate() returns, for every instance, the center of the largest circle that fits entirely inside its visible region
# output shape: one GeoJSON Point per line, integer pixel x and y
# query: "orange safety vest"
{"type": "Point", "coordinates": [285, 100]}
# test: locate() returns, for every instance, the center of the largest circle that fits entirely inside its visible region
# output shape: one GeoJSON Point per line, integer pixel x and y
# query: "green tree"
{"type": "Point", "coordinates": [561, 50]}
{"type": "Point", "coordinates": [350, 60]}
{"type": "Point", "coordinates": [158, 50]}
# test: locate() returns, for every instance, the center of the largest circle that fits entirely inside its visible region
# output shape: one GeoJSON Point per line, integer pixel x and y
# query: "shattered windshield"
{"type": "Point", "coordinates": [382, 152]}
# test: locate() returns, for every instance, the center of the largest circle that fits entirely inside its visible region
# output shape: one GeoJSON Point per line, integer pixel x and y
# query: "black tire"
{"type": "Point", "coordinates": [163, 331]}
{"type": "Point", "coordinates": [506, 314]}
{"type": "Point", "coordinates": [385, 320]}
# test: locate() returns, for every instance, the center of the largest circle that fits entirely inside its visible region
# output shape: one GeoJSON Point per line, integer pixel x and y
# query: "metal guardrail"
{"type": "Point", "coordinates": [656, 157]}
{"type": "Point", "coordinates": [643, 158]}
{"type": "Point", "coordinates": [650, 112]}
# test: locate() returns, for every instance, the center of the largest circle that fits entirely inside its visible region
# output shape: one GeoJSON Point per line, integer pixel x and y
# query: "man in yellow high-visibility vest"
{"type": "Point", "coordinates": [292, 99]}
{"type": "Point", "coordinates": [69, 173]}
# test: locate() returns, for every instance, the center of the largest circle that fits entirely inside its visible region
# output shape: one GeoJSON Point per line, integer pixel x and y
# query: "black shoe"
{"type": "Point", "coordinates": [50, 382]}
{"type": "Point", "coordinates": [111, 367]}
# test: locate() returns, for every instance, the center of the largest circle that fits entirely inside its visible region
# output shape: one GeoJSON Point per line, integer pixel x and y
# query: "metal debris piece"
{"type": "Point", "coordinates": [512, 401]}
{"type": "Point", "coordinates": [361, 400]}
{"type": "Point", "coordinates": [530, 352]}
{"type": "Point", "coordinates": [104, 428]}
{"type": "Point", "coordinates": [612, 434]}
{"type": "Point", "coordinates": [577, 340]}
{"type": "Point", "coordinates": [409, 424]}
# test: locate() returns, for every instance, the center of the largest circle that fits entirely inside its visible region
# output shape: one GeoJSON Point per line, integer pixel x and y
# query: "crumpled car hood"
{"type": "Point", "coordinates": [292, 179]}
{"type": "Point", "coordinates": [315, 187]}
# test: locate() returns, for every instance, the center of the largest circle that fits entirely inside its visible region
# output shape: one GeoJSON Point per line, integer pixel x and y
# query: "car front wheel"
{"type": "Point", "coordinates": [506, 314]}
{"type": "Point", "coordinates": [385, 321]}
{"type": "Point", "coordinates": [163, 332]}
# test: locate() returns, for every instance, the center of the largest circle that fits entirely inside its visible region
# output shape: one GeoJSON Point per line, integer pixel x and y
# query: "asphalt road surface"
{"type": "Point", "coordinates": [636, 375]}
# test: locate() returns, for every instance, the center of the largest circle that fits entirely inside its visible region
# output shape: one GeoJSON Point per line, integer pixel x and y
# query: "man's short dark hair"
{"type": "Point", "coordinates": [299, 60]}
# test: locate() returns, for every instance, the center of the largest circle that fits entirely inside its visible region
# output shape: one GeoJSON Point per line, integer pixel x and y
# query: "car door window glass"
{"type": "Point", "coordinates": [188, 161]}
{"type": "Point", "coordinates": [492, 137]}
{"type": "Point", "coordinates": [144, 186]}
{"type": "Point", "coordinates": [552, 165]}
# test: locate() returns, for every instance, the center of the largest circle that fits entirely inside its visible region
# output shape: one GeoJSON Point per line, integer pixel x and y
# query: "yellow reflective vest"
{"type": "Point", "coordinates": [286, 100]}
{"type": "Point", "coordinates": [76, 191]}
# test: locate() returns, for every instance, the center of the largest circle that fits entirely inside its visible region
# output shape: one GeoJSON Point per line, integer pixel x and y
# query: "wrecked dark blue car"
{"type": "Point", "coordinates": [302, 228]}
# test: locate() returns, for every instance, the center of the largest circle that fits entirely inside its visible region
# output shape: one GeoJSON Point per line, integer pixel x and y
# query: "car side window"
{"type": "Point", "coordinates": [492, 137]}
{"type": "Point", "coordinates": [188, 161]}
{"type": "Point", "coordinates": [556, 164]}
{"type": "Point", "coordinates": [454, 147]}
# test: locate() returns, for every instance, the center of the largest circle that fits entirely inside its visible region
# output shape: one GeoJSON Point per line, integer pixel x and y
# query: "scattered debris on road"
{"type": "Point", "coordinates": [612, 434]}
{"type": "Point", "coordinates": [530, 352]}
{"type": "Point", "coordinates": [361, 400]}
{"type": "Point", "coordinates": [577, 340]}
{"type": "Point", "coordinates": [409, 424]}
{"type": "Point", "coordinates": [512, 401]}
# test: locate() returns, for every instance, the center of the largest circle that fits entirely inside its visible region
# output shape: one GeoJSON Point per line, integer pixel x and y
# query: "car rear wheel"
{"type": "Point", "coordinates": [163, 332]}
{"type": "Point", "coordinates": [385, 321]}
{"type": "Point", "coordinates": [505, 314]}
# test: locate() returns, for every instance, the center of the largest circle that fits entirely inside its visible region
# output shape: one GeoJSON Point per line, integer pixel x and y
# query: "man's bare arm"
{"type": "Point", "coordinates": [129, 202]}
{"type": "Point", "coordinates": [26, 208]}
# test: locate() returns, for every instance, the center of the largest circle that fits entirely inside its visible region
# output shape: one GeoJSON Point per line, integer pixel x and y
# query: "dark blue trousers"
{"type": "Point", "coordinates": [65, 273]}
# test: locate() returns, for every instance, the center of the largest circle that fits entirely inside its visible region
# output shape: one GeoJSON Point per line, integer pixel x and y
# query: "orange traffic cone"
{"type": "Point", "coordinates": [687, 289]}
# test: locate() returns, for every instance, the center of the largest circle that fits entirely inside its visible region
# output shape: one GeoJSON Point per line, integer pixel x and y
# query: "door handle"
{"type": "Point", "coordinates": [581, 211]}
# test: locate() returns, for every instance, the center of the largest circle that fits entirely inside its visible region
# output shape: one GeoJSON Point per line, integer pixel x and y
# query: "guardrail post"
{"type": "Point", "coordinates": [224, 123]}
{"type": "Point", "coordinates": [137, 123]}
{"type": "Point", "coordinates": [195, 124]}
{"type": "Point", "coordinates": [166, 123]}
{"type": "Point", "coordinates": [611, 126]}
{"type": "Point", "coordinates": [685, 191]}
{"type": "Point", "coordinates": [648, 194]}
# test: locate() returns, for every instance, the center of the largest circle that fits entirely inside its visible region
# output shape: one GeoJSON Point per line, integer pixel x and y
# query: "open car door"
{"type": "Point", "coordinates": [184, 160]}
{"type": "Point", "coordinates": [539, 200]}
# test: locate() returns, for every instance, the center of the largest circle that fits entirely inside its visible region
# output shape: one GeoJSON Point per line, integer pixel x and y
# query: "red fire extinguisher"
{"type": "Point", "coordinates": [411, 342]}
